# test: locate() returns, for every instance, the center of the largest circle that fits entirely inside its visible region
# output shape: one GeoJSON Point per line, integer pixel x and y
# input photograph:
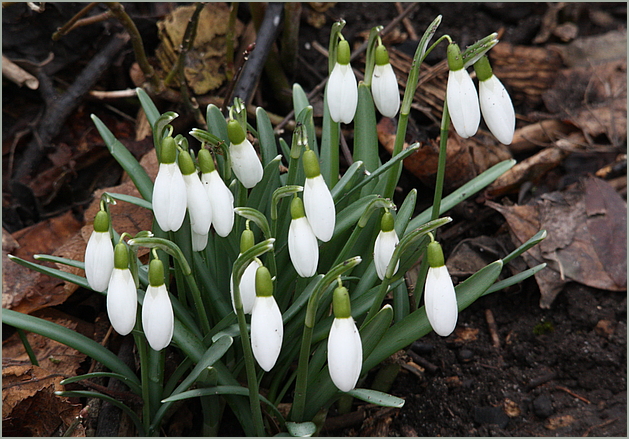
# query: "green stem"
{"type": "Point", "coordinates": [27, 346]}
{"type": "Point", "coordinates": [142, 346]}
{"type": "Point", "coordinates": [441, 167]}
{"type": "Point", "coordinates": [156, 380]}
{"type": "Point", "coordinates": [198, 302]}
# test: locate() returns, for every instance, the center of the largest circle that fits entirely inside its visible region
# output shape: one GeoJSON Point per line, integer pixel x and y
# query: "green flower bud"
{"type": "Point", "coordinates": [264, 283]}
{"type": "Point", "coordinates": [435, 255]}
{"type": "Point", "coordinates": [341, 304]}
{"type": "Point", "coordinates": [169, 150]}
{"type": "Point", "coordinates": [121, 256]}
{"type": "Point", "coordinates": [247, 240]}
{"type": "Point", "coordinates": [186, 164]}
{"type": "Point", "coordinates": [382, 55]}
{"type": "Point", "coordinates": [297, 208]}
{"type": "Point", "coordinates": [343, 53]}
{"type": "Point", "coordinates": [483, 69]}
{"type": "Point", "coordinates": [206, 162]}
{"type": "Point", "coordinates": [235, 132]}
{"type": "Point", "coordinates": [387, 223]}
{"type": "Point", "coordinates": [455, 59]}
{"type": "Point", "coordinates": [156, 273]}
{"type": "Point", "coordinates": [101, 222]}
{"type": "Point", "coordinates": [311, 164]}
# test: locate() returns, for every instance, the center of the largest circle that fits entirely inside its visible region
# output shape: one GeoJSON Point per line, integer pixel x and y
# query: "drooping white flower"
{"type": "Point", "coordinates": [439, 295]}
{"type": "Point", "coordinates": [245, 162]}
{"type": "Point", "coordinates": [385, 244]}
{"type": "Point", "coordinates": [197, 199]}
{"type": "Point", "coordinates": [199, 241]}
{"type": "Point", "coordinates": [384, 86]}
{"type": "Point", "coordinates": [302, 242]}
{"type": "Point", "coordinates": [122, 296]}
{"type": "Point", "coordinates": [341, 91]}
{"type": "Point", "coordinates": [495, 103]}
{"type": "Point", "coordinates": [461, 96]}
{"type": "Point", "coordinates": [267, 328]}
{"type": "Point", "coordinates": [169, 190]}
{"type": "Point", "coordinates": [158, 320]}
{"type": "Point", "coordinates": [247, 286]}
{"type": "Point", "coordinates": [345, 351]}
{"type": "Point", "coordinates": [99, 254]}
{"type": "Point", "coordinates": [220, 196]}
{"type": "Point", "coordinates": [318, 201]}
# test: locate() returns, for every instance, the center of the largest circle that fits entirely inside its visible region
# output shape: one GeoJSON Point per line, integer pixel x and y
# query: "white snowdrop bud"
{"type": "Point", "coordinates": [439, 294]}
{"type": "Point", "coordinates": [99, 254]}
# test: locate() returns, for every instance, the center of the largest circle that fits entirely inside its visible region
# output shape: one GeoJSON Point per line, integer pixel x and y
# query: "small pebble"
{"type": "Point", "coordinates": [465, 355]}
{"type": "Point", "coordinates": [491, 415]}
{"type": "Point", "coordinates": [543, 406]}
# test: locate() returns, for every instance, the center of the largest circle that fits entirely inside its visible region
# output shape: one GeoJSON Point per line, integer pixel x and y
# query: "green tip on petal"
{"type": "Point", "coordinates": [297, 208]}
{"type": "Point", "coordinates": [121, 256]}
{"type": "Point", "coordinates": [247, 240]}
{"type": "Point", "coordinates": [264, 283]}
{"type": "Point", "coordinates": [206, 162]}
{"type": "Point", "coordinates": [235, 132]}
{"type": "Point", "coordinates": [311, 164]}
{"type": "Point", "coordinates": [455, 59]}
{"type": "Point", "coordinates": [387, 223]}
{"type": "Point", "coordinates": [169, 150]}
{"type": "Point", "coordinates": [186, 164]}
{"type": "Point", "coordinates": [156, 273]}
{"type": "Point", "coordinates": [435, 255]}
{"type": "Point", "coordinates": [483, 68]}
{"type": "Point", "coordinates": [343, 53]}
{"type": "Point", "coordinates": [101, 222]}
{"type": "Point", "coordinates": [382, 55]}
{"type": "Point", "coordinates": [341, 304]}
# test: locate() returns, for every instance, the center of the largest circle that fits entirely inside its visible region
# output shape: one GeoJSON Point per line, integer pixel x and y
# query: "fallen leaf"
{"type": "Point", "coordinates": [596, 49]}
{"type": "Point", "coordinates": [465, 334]}
{"type": "Point", "coordinates": [559, 422]}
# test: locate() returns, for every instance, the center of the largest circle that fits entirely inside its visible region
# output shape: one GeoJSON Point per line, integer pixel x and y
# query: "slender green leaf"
{"type": "Point", "coordinates": [134, 387]}
{"type": "Point", "coordinates": [405, 212]}
{"type": "Point", "coordinates": [347, 179]}
{"type": "Point", "coordinates": [268, 145]}
{"type": "Point", "coordinates": [378, 398]}
{"type": "Point", "coordinates": [532, 242]}
{"type": "Point", "coordinates": [151, 111]}
{"type": "Point", "coordinates": [372, 332]}
{"type": "Point", "coordinates": [131, 199]}
{"type": "Point", "coordinates": [300, 99]}
{"type": "Point", "coordinates": [54, 272]}
{"type": "Point", "coordinates": [59, 260]}
{"type": "Point", "coordinates": [516, 279]}
{"type": "Point", "coordinates": [365, 135]}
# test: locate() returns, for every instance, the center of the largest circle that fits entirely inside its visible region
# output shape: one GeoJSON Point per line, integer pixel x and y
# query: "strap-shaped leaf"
{"type": "Point", "coordinates": [378, 398]}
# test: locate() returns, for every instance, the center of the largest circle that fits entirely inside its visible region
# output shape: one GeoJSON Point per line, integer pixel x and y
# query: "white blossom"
{"type": "Point", "coordinates": [99, 260]}
{"type": "Point", "coordinates": [157, 317]}
{"type": "Point", "coordinates": [198, 204]}
{"type": "Point", "coordinates": [319, 206]}
{"type": "Point", "coordinates": [169, 197]}
{"type": "Point", "coordinates": [440, 301]}
{"type": "Point", "coordinates": [122, 300]}
{"type": "Point", "coordinates": [497, 109]}
{"type": "Point", "coordinates": [385, 91]}
{"type": "Point", "coordinates": [246, 164]}
{"type": "Point", "coordinates": [247, 287]}
{"type": "Point", "coordinates": [342, 93]}
{"type": "Point", "coordinates": [267, 331]}
{"type": "Point", "coordinates": [345, 353]}
{"type": "Point", "coordinates": [222, 201]}
{"type": "Point", "coordinates": [383, 251]}
{"type": "Point", "coordinates": [463, 103]}
{"type": "Point", "coordinates": [303, 247]}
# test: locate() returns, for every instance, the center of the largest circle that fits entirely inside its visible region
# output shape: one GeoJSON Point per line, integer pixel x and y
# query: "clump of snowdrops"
{"type": "Point", "coordinates": [279, 280]}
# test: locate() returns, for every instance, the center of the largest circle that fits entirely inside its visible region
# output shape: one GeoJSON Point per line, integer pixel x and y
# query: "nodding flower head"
{"type": "Point", "coordinates": [341, 92]}
{"type": "Point", "coordinates": [384, 87]}
{"type": "Point", "coordinates": [385, 244]}
{"type": "Point", "coordinates": [461, 95]}
{"type": "Point", "coordinates": [267, 328]}
{"type": "Point", "coordinates": [169, 190]}
{"type": "Point", "coordinates": [439, 295]}
{"type": "Point", "coordinates": [197, 198]}
{"type": "Point", "coordinates": [345, 350]}
{"type": "Point", "coordinates": [122, 295]}
{"type": "Point", "coordinates": [318, 201]}
{"type": "Point", "coordinates": [220, 196]}
{"type": "Point", "coordinates": [158, 320]}
{"type": "Point", "coordinates": [245, 162]}
{"type": "Point", "coordinates": [247, 286]}
{"type": "Point", "coordinates": [99, 254]}
{"type": "Point", "coordinates": [302, 242]}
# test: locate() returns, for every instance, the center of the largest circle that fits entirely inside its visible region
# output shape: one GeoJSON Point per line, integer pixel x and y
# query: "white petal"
{"type": "Point", "coordinates": [222, 201]}
{"type": "Point", "coordinates": [440, 301]}
{"type": "Point", "coordinates": [383, 250]}
{"type": "Point", "coordinates": [169, 197]}
{"type": "Point", "coordinates": [319, 207]}
{"type": "Point", "coordinates": [497, 109]}
{"type": "Point", "coordinates": [246, 164]}
{"type": "Point", "coordinates": [122, 301]}
{"type": "Point", "coordinates": [157, 317]}
{"type": "Point", "coordinates": [385, 91]}
{"type": "Point", "coordinates": [345, 354]}
{"type": "Point", "coordinates": [198, 204]}
{"type": "Point", "coordinates": [267, 331]}
{"type": "Point", "coordinates": [463, 103]}
{"type": "Point", "coordinates": [247, 287]}
{"type": "Point", "coordinates": [99, 260]}
{"type": "Point", "coordinates": [303, 247]}
{"type": "Point", "coordinates": [199, 241]}
{"type": "Point", "coordinates": [342, 93]}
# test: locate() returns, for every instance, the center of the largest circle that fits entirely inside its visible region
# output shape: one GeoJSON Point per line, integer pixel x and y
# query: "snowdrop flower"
{"type": "Point", "coordinates": [197, 200]}
{"type": "Point", "coordinates": [157, 312]}
{"type": "Point", "coordinates": [461, 95]}
{"type": "Point", "coordinates": [345, 350]}
{"type": "Point", "coordinates": [267, 329]}
{"type": "Point", "coordinates": [495, 103]}
{"type": "Point", "coordinates": [439, 295]}
{"type": "Point", "coordinates": [169, 191]}
{"type": "Point", "coordinates": [245, 162]}
{"type": "Point", "coordinates": [302, 242]}
{"type": "Point", "coordinates": [384, 88]}
{"type": "Point", "coordinates": [99, 254]}
{"type": "Point", "coordinates": [386, 241]}
{"type": "Point", "coordinates": [342, 90]}
{"type": "Point", "coordinates": [221, 198]}
{"type": "Point", "coordinates": [248, 279]}
{"type": "Point", "coordinates": [318, 201]}
{"type": "Point", "coordinates": [122, 296]}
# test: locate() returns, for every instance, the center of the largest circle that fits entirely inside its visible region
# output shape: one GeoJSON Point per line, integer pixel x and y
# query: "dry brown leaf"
{"type": "Point", "coordinates": [575, 239]}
